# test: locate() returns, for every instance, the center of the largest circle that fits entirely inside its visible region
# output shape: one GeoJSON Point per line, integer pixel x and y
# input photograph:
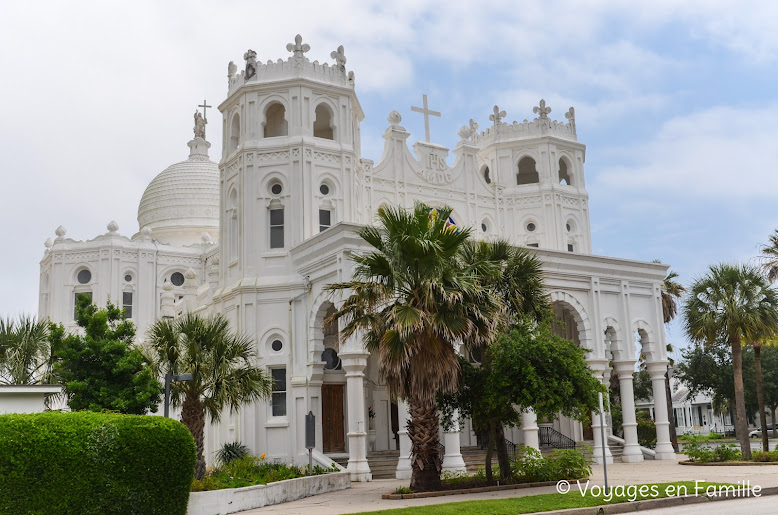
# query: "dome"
{"type": "Point", "coordinates": [182, 202]}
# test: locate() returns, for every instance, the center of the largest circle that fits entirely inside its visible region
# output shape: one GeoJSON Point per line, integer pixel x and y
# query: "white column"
{"type": "Point", "coordinates": [529, 426]}
{"type": "Point", "coordinates": [452, 459]}
{"type": "Point", "coordinates": [626, 371]}
{"type": "Point", "coordinates": [354, 363]}
{"type": "Point", "coordinates": [664, 448]}
{"type": "Point", "coordinates": [404, 467]}
{"type": "Point", "coordinates": [598, 368]}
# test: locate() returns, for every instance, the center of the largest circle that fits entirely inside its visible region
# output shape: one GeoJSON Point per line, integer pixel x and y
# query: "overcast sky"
{"type": "Point", "coordinates": [675, 101]}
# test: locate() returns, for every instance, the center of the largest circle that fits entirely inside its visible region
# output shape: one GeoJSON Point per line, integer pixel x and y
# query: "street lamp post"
{"type": "Point", "coordinates": [168, 379]}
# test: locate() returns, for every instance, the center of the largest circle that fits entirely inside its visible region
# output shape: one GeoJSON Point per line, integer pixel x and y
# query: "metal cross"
{"type": "Point", "coordinates": [205, 106]}
{"type": "Point", "coordinates": [427, 113]}
{"type": "Point", "coordinates": [298, 48]}
{"type": "Point", "coordinates": [542, 110]}
{"type": "Point", "coordinates": [497, 116]}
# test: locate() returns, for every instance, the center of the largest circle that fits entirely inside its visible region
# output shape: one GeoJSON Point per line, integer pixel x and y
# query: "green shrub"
{"type": "Point", "coordinates": [646, 430]}
{"type": "Point", "coordinates": [530, 466]}
{"type": "Point", "coordinates": [765, 456]}
{"type": "Point", "coordinates": [726, 452]}
{"type": "Point", "coordinates": [697, 449]}
{"type": "Point", "coordinates": [715, 436]}
{"type": "Point", "coordinates": [231, 451]}
{"type": "Point", "coordinates": [94, 463]}
{"type": "Point", "coordinates": [250, 470]}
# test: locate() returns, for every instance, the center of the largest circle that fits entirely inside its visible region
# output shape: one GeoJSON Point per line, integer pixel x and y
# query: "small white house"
{"type": "Point", "coordinates": [22, 398]}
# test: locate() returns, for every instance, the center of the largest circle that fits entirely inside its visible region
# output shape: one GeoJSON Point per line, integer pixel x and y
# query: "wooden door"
{"type": "Point", "coordinates": [333, 433]}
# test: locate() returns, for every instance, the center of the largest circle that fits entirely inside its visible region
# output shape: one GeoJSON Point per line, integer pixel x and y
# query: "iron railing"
{"type": "Point", "coordinates": [550, 437]}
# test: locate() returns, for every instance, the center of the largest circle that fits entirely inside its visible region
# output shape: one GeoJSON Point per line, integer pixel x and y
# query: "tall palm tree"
{"type": "Point", "coordinates": [672, 291]}
{"type": "Point", "coordinates": [25, 350]}
{"type": "Point", "coordinates": [519, 285]}
{"type": "Point", "coordinates": [732, 303]}
{"type": "Point", "coordinates": [770, 257]}
{"type": "Point", "coordinates": [222, 364]}
{"type": "Point", "coordinates": [411, 298]}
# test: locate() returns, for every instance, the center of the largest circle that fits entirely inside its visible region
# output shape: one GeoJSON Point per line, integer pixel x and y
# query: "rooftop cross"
{"type": "Point", "coordinates": [298, 47]}
{"type": "Point", "coordinates": [205, 106]}
{"type": "Point", "coordinates": [497, 116]}
{"type": "Point", "coordinates": [542, 110]}
{"type": "Point", "coordinates": [427, 113]}
{"type": "Point", "coordinates": [340, 58]}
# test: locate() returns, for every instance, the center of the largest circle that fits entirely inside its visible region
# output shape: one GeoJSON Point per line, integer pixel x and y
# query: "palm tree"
{"type": "Point", "coordinates": [411, 298]}
{"type": "Point", "coordinates": [25, 349]}
{"type": "Point", "coordinates": [672, 291]}
{"type": "Point", "coordinates": [222, 365]}
{"type": "Point", "coordinates": [732, 303]}
{"type": "Point", "coordinates": [520, 287]}
{"type": "Point", "coordinates": [770, 257]}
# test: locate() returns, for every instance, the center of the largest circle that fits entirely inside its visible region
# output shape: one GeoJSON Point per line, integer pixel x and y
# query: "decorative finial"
{"type": "Point", "coordinates": [570, 115]}
{"type": "Point", "coordinates": [298, 48]}
{"type": "Point", "coordinates": [232, 70]}
{"type": "Point", "coordinates": [146, 232]}
{"type": "Point", "coordinates": [206, 238]}
{"type": "Point", "coordinates": [112, 226]}
{"type": "Point", "coordinates": [167, 286]}
{"type": "Point", "coordinates": [190, 274]}
{"type": "Point", "coordinates": [473, 127]}
{"type": "Point", "coordinates": [497, 116]}
{"type": "Point", "coordinates": [351, 78]}
{"type": "Point", "coordinates": [427, 113]}
{"type": "Point", "coordinates": [464, 133]}
{"type": "Point", "coordinates": [542, 110]}
{"type": "Point", "coordinates": [48, 243]}
{"type": "Point", "coordinates": [251, 64]}
{"type": "Point", "coordinates": [394, 118]}
{"type": "Point", "coordinates": [60, 232]}
{"type": "Point", "coordinates": [340, 58]}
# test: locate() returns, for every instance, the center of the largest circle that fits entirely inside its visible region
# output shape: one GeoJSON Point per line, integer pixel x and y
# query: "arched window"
{"type": "Point", "coordinates": [275, 121]}
{"type": "Point", "coordinates": [487, 177]}
{"type": "Point", "coordinates": [564, 174]}
{"type": "Point", "coordinates": [234, 133]}
{"type": "Point", "coordinates": [322, 125]}
{"type": "Point", "coordinates": [528, 173]}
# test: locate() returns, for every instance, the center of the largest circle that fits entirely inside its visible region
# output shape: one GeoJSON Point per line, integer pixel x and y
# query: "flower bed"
{"type": "Point", "coordinates": [251, 471]}
{"type": "Point", "coordinates": [231, 500]}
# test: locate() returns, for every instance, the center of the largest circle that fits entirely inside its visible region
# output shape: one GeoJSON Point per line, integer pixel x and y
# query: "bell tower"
{"type": "Point", "coordinates": [538, 166]}
{"type": "Point", "coordinates": [290, 150]}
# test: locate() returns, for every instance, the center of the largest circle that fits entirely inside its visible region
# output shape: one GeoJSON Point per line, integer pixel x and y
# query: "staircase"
{"type": "Point", "coordinates": [617, 450]}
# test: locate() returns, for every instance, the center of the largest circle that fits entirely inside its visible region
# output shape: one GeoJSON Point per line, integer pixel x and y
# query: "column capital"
{"type": "Point", "coordinates": [598, 365]}
{"type": "Point", "coordinates": [657, 369]}
{"type": "Point", "coordinates": [354, 361]}
{"type": "Point", "coordinates": [624, 367]}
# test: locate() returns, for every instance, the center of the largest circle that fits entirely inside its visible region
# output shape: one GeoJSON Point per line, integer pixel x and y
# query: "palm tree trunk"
{"type": "Point", "coordinates": [193, 417]}
{"type": "Point", "coordinates": [760, 394]}
{"type": "Point", "coordinates": [741, 423]}
{"type": "Point", "coordinates": [502, 453]}
{"type": "Point", "coordinates": [670, 415]}
{"type": "Point", "coordinates": [423, 431]}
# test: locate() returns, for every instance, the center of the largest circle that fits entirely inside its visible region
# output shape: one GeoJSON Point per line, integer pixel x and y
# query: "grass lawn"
{"type": "Point", "coordinates": [547, 502]}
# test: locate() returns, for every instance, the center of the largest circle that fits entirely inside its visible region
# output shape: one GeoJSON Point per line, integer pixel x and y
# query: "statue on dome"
{"type": "Point", "coordinates": [199, 126]}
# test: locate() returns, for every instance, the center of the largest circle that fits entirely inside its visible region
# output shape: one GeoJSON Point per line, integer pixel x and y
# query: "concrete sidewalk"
{"type": "Point", "coordinates": [367, 496]}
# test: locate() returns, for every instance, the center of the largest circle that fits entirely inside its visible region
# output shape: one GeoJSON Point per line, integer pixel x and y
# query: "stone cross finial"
{"type": "Point", "coordinates": [497, 116]}
{"type": "Point", "coordinates": [473, 126]}
{"type": "Point", "coordinates": [427, 113]}
{"type": "Point", "coordinates": [298, 47]}
{"type": "Point", "coordinates": [340, 58]}
{"type": "Point", "coordinates": [570, 115]}
{"type": "Point", "coordinates": [542, 110]}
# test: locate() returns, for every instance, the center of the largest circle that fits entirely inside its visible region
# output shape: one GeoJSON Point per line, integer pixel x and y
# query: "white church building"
{"type": "Point", "coordinates": [258, 237]}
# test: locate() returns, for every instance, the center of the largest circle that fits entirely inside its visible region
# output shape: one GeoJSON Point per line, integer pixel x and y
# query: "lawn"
{"type": "Point", "coordinates": [547, 502]}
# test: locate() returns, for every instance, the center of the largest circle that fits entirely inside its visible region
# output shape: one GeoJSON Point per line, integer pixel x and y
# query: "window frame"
{"type": "Point", "coordinates": [278, 393]}
{"type": "Point", "coordinates": [277, 226]}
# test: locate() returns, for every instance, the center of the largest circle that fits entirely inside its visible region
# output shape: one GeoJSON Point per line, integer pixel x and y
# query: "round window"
{"type": "Point", "coordinates": [330, 359]}
{"type": "Point", "coordinates": [84, 276]}
{"type": "Point", "coordinates": [277, 345]}
{"type": "Point", "coordinates": [128, 278]}
{"type": "Point", "coordinates": [531, 227]}
{"type": "Point", "coordinates": [276, 189]}
{"type": "Point", "coordinates": [568, 227]}
{"type": "Point", "coordinates": [324, 189]}
{"type": "Point", "coordinates": [483, 227]}
{"type": "Point", "coordinates": [177, 278]}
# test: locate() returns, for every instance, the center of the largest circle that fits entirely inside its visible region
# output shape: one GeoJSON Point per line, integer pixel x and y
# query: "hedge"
{"type": "Point", "coordinates": [88, 463]}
